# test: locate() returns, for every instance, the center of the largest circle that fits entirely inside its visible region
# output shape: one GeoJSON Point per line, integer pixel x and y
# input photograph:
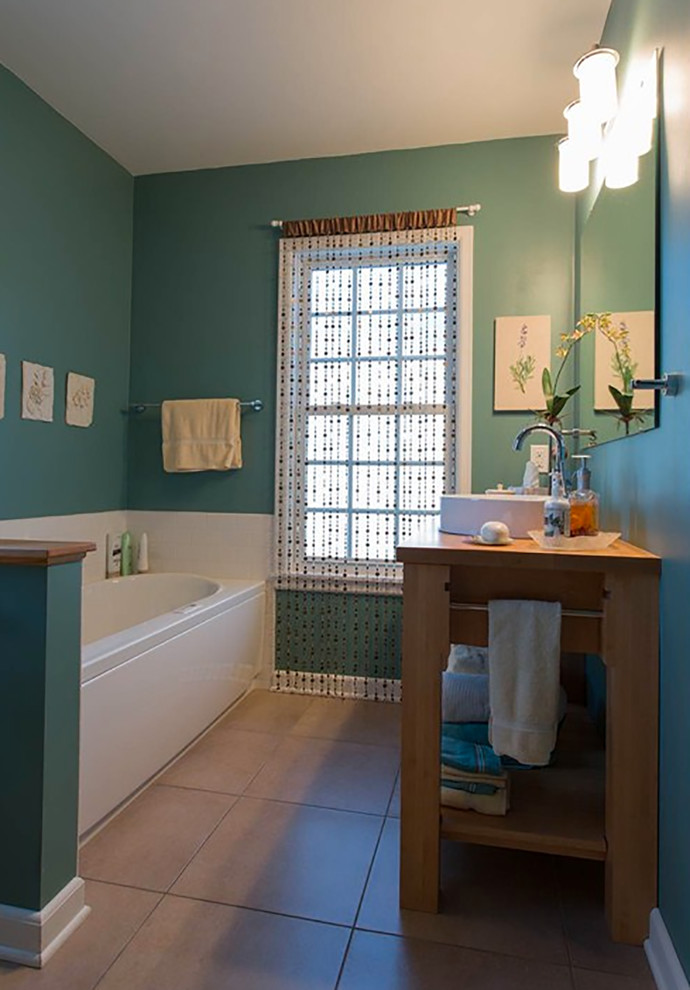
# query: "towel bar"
{"type": "Point", "coordinates": [580, 613]}
{"type": "Point", "coordinates": [256, 405]}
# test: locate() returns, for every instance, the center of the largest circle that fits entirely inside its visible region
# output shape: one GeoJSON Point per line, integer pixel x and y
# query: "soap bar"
{"type": "Point", "coordinates": [495, 532]}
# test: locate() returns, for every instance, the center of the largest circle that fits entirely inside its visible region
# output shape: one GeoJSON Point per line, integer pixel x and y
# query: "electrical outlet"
{"type": "Point", "coordinates": [539, 455]}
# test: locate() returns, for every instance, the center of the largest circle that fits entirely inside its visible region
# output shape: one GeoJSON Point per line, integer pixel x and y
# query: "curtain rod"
{"type": "Point", "coordinates": [469, 210]}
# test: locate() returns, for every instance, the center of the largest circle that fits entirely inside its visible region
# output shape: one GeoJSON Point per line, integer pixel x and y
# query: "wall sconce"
{"type": "Point", "coordinates": [600, 126]}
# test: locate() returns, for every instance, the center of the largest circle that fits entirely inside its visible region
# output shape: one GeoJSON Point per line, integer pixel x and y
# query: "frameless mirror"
{"type": "Point", "coordinates": [617, 274]}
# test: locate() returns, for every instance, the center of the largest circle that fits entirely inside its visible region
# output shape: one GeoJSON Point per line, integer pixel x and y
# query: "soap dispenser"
{"type": "Point", "coordinates": [584, 503]}
{"type": "Point", "coordinates": [557, 508]}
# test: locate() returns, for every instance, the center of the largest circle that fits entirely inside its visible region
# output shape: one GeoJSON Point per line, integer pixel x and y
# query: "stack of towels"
{"type": "Point", "coordinates": [501, 705]}
{"type": "Point", "coordinates": [472, 774]}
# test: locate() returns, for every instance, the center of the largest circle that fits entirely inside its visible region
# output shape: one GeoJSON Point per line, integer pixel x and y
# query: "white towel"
{"type": "Point", "coordinates": [524, 678]}
{"type": "Point", "coordinates": [465, 697]}
{"type": "Point", "coordinates": [201, 435]}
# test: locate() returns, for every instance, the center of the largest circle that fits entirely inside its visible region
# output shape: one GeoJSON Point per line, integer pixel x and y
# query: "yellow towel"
{"type": "Point", "coordinates": [201, 435]}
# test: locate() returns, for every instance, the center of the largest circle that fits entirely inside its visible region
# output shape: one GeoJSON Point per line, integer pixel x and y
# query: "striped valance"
{"type": "Point", "coordinates": [372, 223]}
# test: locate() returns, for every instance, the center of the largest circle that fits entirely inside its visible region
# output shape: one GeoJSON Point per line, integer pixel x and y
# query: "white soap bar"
{"type": "Point", "coordinates": [495, 532]}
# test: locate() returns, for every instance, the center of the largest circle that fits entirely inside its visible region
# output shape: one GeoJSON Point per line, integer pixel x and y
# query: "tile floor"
{"type": "Point", "coordinates": [266, 859]}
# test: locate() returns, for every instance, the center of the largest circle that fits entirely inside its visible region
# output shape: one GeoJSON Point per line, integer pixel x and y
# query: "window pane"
{"type": "Point", "coordinates": [331, 290]}
{"type": "Point", "coordinates": [377, 336]}
{"type": "Point", "coordinates": [412, 524]}
{"type": "Point", "coordinates": [327, 438]}
{"type": "Point", "coordinates": [373, 487]}
{"type": "Point", "coordinates": [326, 486]}
{"type": "Point", "coordinates": [326, 535]}
{"type": "Point", "coordinates": [330, 336]}
{"type": "Point", "coordinates": [376, 383]}
{"type": "Point", "coordinates": [329, 384]}
{"type": "Point", "coordinates": [374, 438]}
{"type": "Point", "coordinates": [424, 333]}
{"type": "Point", "coordinates": [373, 536]}
{"type": "Point", "coordinates": [423, 382]}
{"type": "Point", "coordinates": [422, 438]}
{"type": "Point", "coordinates": [421, 487]}
{"type": "Point", "coordinates": [377, 288]}
{"type": "Point", "coordinates": [424, 286]}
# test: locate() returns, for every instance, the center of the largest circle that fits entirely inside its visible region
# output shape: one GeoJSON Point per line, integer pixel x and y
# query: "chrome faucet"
{"type": "Point", "coordinates": [555, 435]}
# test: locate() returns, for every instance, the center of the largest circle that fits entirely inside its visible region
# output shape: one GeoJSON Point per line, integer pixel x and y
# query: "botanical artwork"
{"type": "Point", "coordinates": [79, 403]}
{"type": "Point", "coordinates": [624, 353]}
{"type": "Point", "coordinates": [522, 349]}
{"type": "Point", "coordinates": [37, 392]}
{"type": "Point", "coordinates": [3, 372]}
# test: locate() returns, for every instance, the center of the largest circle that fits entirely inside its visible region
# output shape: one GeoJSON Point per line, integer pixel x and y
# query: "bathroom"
{"type": "Point", "coordinates": [158, 278]}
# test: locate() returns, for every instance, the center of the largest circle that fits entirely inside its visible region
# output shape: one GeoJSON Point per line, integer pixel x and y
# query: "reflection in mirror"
{"type": "Point", "coordinates": [617, 274]}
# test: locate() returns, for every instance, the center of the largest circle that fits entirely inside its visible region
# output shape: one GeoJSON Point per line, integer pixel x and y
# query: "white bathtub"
{"type": "Point", "coordinates": [163, 655]}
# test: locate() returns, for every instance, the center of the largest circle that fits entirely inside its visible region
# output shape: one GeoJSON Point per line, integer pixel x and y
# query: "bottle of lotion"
{"type": "Point", "coordinates": [557, 509]}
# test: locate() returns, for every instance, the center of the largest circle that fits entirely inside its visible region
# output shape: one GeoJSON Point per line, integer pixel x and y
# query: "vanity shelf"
{"type": "Point", "coordinates": [594, 803]}
{"type": "Point", "coordinates": [557, 809]}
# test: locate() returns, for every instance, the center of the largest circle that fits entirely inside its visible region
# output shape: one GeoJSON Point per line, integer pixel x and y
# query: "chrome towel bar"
{"type": "Point", "coordinates": [577, 613]}
{"type": "Point", "coordinates": [255, 405]}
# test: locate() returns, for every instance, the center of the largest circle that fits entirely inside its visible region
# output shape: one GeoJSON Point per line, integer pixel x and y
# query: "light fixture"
{"type": "Point", "coordinates": [583, 130]}
{"type": "Point", "coordinates": [627, 131]}
{"type": "Point", "coordinates": [596, 73]}
{"type": "Point", "coordinates": [573, 167]}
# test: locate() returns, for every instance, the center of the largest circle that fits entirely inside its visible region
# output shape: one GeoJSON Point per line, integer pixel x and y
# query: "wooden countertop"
{"type": "Point", "coordinates": [431, 546]}
{"type": "Point", "coordinates": [42, 553]}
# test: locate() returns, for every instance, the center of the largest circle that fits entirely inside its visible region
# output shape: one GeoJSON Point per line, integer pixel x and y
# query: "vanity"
{"type": "Point", "coordinates": [595, 802]}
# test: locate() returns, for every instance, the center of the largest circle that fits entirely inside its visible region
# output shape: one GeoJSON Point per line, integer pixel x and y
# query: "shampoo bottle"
{"type": "Point", "coordinates": [126, 553]}
{"type": "Point", "coordinates": [557, 509]}
{"type": "Point", "coordinates": [143, 554]}
{"type": "Point", "coordinates": [113, 556]}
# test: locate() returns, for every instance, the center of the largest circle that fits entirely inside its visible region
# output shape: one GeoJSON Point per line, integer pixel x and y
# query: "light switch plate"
{"type": "Point", "coordinates": [539, 455]}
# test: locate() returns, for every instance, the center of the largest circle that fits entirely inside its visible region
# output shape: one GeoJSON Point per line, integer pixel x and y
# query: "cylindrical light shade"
{"type": "Point", "coordinates": [621, 167]}
{"type": "Point", "coordinates": [584, 131]}
{"type": "Point", "coordinates": [596, 72]}
{"type": "Point", "coordinates": [573, 167]}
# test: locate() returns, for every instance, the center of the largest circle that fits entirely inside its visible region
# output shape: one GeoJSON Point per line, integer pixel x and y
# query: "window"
{"type": "Point", "coordinates": [369, 389]}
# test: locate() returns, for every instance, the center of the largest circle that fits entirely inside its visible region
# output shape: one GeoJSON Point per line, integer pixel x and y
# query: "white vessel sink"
{"type": "Point", "coordinates": [468, 513]}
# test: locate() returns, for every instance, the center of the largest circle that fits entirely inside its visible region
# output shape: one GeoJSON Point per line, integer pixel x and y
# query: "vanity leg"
{"type": "Point", "coordinates": [631, 653]}
{"type": "Point", "coordinates": [425, 652]}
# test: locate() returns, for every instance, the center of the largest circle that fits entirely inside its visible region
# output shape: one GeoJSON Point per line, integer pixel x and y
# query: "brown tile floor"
{"type": "Point", "coordinates": [267, 859]}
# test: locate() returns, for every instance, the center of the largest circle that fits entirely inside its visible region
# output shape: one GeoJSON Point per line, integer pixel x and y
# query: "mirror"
{"type": "Point", "coordinates": [617, 274]}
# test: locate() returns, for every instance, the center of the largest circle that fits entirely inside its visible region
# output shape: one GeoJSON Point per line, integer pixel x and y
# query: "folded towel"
{"type": "Point", "coordinates": [465, 697]}
{"type": "Point", "coordinates": [201, 435]}
{"type": "Point", "coordinates": [485, 804]}
{"type": "Point", "coordinates": [524, 671]}
{"type": "Point", "coordinates": [464, 659]}
{"type": "Point", "coordinates": [469, 757]}
{"type": "Point", "coordinates": [478, 783]}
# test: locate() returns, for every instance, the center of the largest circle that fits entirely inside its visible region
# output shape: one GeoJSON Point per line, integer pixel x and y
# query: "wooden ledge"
{"type": "Point", "coordinates": [42, 553]}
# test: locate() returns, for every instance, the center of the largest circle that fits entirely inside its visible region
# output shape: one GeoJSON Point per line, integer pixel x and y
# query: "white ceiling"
{"type": "Point", "coordinates": [164, 85]}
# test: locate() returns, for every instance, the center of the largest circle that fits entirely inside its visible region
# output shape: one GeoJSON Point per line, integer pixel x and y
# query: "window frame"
{"type": "Point", "coordinates": [353, 571]}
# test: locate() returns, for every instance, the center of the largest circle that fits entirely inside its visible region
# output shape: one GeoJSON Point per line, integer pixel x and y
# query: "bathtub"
{"type": "Point", "coordinates": [163, 655]}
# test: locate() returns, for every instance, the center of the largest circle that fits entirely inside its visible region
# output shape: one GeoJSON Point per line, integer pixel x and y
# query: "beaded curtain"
{"type": "Point", "coordinates": [367, 372]}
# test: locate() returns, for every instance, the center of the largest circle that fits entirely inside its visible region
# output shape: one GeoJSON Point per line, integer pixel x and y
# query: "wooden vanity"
{"type": "Point", "coordinates": [595, 802]}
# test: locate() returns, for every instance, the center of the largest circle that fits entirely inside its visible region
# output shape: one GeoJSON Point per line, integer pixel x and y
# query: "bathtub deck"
{"type": "Point", "coordinates": [266, 859]}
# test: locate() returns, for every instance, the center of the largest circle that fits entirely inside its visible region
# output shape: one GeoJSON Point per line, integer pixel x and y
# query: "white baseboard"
{"type": "Point", "coordinates": [31, 937]}
{"type": "Point", "coordinates": [336, 685]}
{"type": "Point", "coordinates": [661, 955]}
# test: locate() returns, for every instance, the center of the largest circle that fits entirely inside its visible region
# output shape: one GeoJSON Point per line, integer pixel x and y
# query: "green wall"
{"type": "Point", "coordinates": [205, 289]}
{"type": "Point", "coordinates": [645, 480]}
{"type": "Point", "coordinates": [65, 279]}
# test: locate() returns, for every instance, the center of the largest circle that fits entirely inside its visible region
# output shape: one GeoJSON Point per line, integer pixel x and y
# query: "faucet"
{"type": "Point", "coordinates": [555, 435]}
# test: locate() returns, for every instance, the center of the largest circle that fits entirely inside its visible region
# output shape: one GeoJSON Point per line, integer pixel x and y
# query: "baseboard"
{"type": "Point", "coordinates": [336, 685]}
{"type": "Point", "coordinates": [661, 955]}
{"type": "Point", "coordinates": [31, 937]}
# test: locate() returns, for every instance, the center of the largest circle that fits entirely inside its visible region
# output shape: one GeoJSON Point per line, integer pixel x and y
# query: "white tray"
{"type": "Point", "coordinates": [599, 542]}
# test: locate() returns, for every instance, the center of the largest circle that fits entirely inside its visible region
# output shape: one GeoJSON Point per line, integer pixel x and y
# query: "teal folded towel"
{"type": "Point", "coordinates": [468, 786]}
{"type": "Point", "coordinates": [468, 756]}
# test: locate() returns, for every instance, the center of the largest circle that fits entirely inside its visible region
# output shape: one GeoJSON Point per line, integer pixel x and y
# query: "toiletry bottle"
{"type": "Point", "coordinates": [584, 503]}
{"type": "Point", "coordinates": [113, 557]}
{"type": "Point", "coordinates": [126, 553]}
{"type": "Point", "coordinates": [143, 554]}
{"type": "Point", "coordinates": [557, 509]}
